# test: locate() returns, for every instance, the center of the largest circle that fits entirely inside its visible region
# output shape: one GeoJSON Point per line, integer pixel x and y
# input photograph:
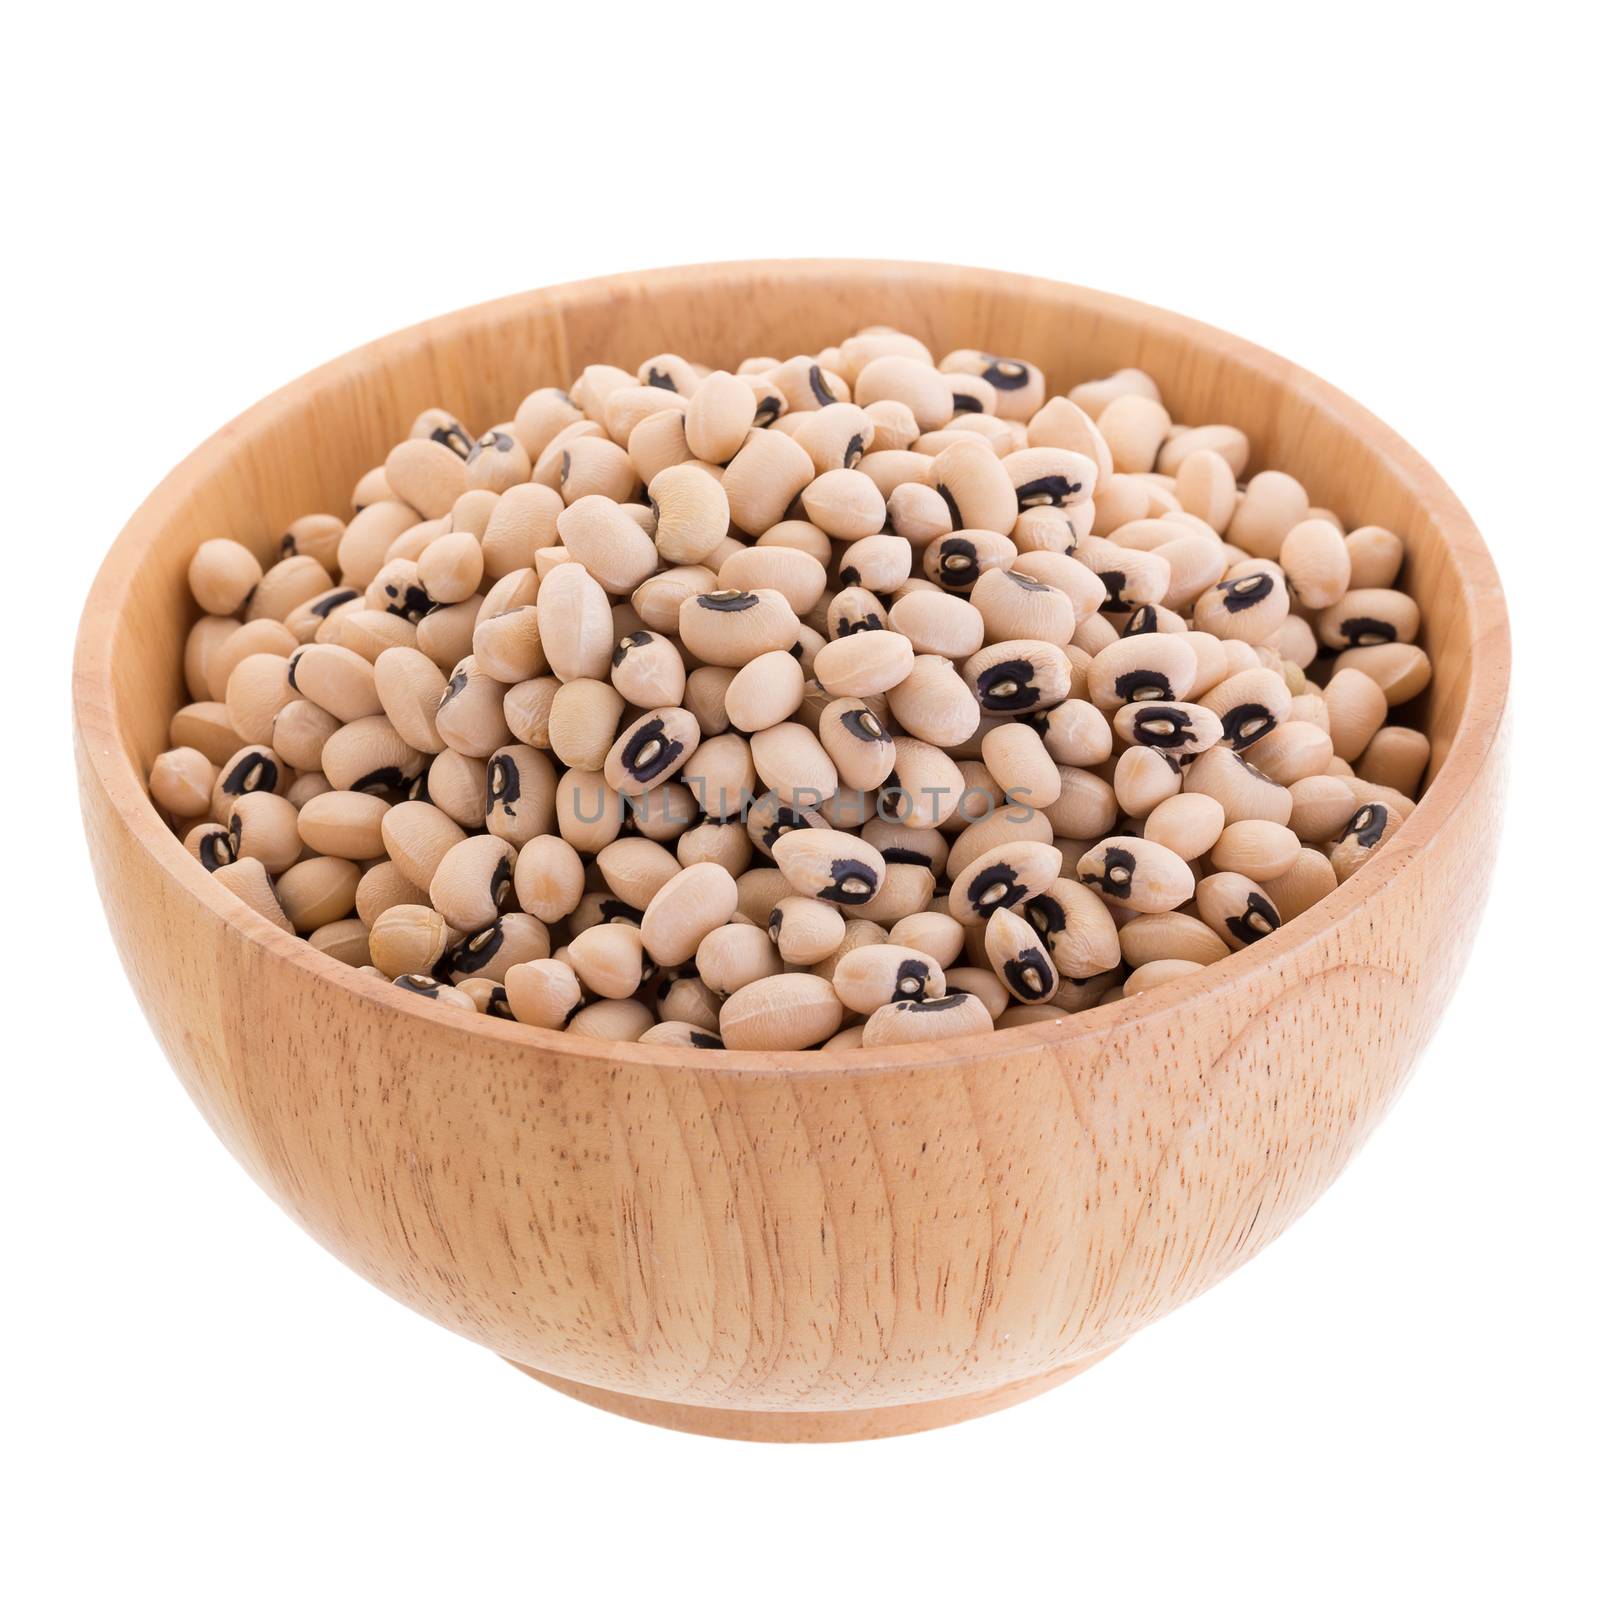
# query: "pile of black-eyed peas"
{"type": "Point", "coordinates": [852, 699]}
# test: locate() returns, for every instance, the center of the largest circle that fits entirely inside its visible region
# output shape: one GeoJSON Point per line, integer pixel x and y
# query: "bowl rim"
{"type": "Point", "coordinates": [1488, 658]}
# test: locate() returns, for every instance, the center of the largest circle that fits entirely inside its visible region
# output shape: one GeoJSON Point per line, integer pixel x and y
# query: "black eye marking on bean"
{"type": "Point", "coordinates": [727, 600]}
{"type": "Point", "coordinates": [454, 438]}
{"type": "Point", "coordinates": [922, 1007]}
{"type": "Point", "coordinates": [286, 546]}
{"type": "Point", "coordinates": [1142, 683]}
{"type": "Point", "coordinates": [1045, 915]}
{"type": "Point", "coordinates": [1027, 974]}
{"type": "Point", "coordinates": [956, 522]}
{"type": "Point", "coordinates": [797, 650]}
{"type": "Point", "coordinates": [331, 602]}
{"type": "Point", "coordinates": [1115, 582]}
{"type": "Point", "coordinates": [661, 380]}
{"type": "Point", "coordinates": [415, 983]}
{"type": "Point", "coordinates": [1145, 620]}
{"type": "Point", "coordinates": [217, 850]}
{"type": "Point", "coordinates": [651, 750]}
{"type": "Point", "coordinates": [784, 820]}
{"type": "Point", "coordinates": [768, 409]}
{"type": "Point", "coordinates": [619, 911]}
{"type": "Point", "coordinates": [850, 882]}
{"type": "Point", "coordinates": [1367, 630]}
{"type": "Point", "coordinates": [417, 789]}
{"type": "Point", "coordinates": [775, 921]}
{"type": "Point", "coordinates": [967, 403]}
{"type": "Point", "coordinates": [854, 451]}
{"type": "Point", "coordinates": [1239, 594]}
{"type": "Point", "coordinates": [1162, 727]}
{"type": "Point", "coordinates": [867, 622]}
{"type": "Point", "coordinates": [477, 952]}
{"type": "Point", "coordinates": [500, 881]}
{"type": "Point", "coordinates": [1116, 875]}
{"type": "Point", "coordinates": [864, 726]}
{"type": "Point", "coordinates": [1006, 374]}
{"type": "Point", "coordinates": [566, 465]}
{"type": "Point", "coordinates": [409, 601]}
{"type": "Point", "coordinates": [1256, 921]}
{"type": "Point", "coordinates": [1366, 826]}
{"type": "Point", "coordinates": [818, 387]}
{"type": "Point", "coordinates": [252, 772]}
{"type": "Point", "coordinates": [631, 641]}
{"type": "Point", "coordinates": [504, 785]}
{"type": "Point", "coordinates": [849, 576]}
{"type": "Point", "coordinates": [499, 1004]}
{"type": "Point", "coordinates": [1053, 489]}
{"type": "Point", "coordinates": [1007, 686]}
{"type": "Point", "coordinates": [494, 440]}
{"type": "Point", "coordinates": [379, 778]}
{"type": "Point", "coordinates": [958, 563]}
{"type": "Point", "coordinates": [1244, 724]}
{"type": "Point", "coordinates": [458, 682]}
{"type": "Point", "coordinates": [1032, 585]}
{"type": "Point", "coordinates": [911, 980]}
{"type": "Point", "coordinates": [904, 856]}
{"type": "Point", "coordinates": [995, 887]}
{"type": "Point", "coordinates": [294, 662]}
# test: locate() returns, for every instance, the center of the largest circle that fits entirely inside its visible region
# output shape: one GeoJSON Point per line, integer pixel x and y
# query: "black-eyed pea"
{"type": "Point", "coordinates": [1002, 878]}
{"type": "Point", "coordinates": [1134, 428]}
{"type": "Point", "coordinates": [287, 585]}
{"type": "Point", "coordinates": [760, 889]}
{"type": "Point", "coordinates": [731, 957]}
{"type": "Point", "coordinates": [589, 465]}
{"type": "Point", "coordinates": [344, 940]}
{"type": "Point", "coordinates": [934, 934]}
{"type": "Point", "coordinates": [880, 562]}
{"type": "Point", "coordinates": [211, 844]}
{"type": "Point", "coordinates": [1396, 758]}
{"type": "Point", "coordinates": [1086, 808]}
{"type": "Point", "coordinates": [609, 543]}
{"type": "Point", "coordinates": [622, 1021]}
{"type": "Point", "coordinates": [340, 823]}
{"type": "Point", "coordinates": [307, 787]}
{"type": "Point", "coordinates": [609, 960]}
{"type": "Point", "coordinates": [397, 590]}
{"type": "Point", "coordinates": [1321, 805]}
{"type": "Point", "coordinates": [627, 408]}
{"type": "Point", "coordinates": [583, 721]}
{"type": "Point", "coordinates": [307, 620]}
{"type": "Point", "coordinates": [1316, 561]}
{"type": "Point", "coordinates": [426, 987]}
{"type": "Point", "coordinates": [797, 535]}
{"type": "Point", "coordinates": [845, 504]}
{"type": "Point", "coordinates": [684, 1035]}
{"type": "Point", "coordinates": [1169, 936]}
{"type": "Point", "coordinates": [458, 786]}
{"type": "Point", "coordinates": [1251, 603]}
{"type": "Point", "coordinates": [596, 908]}
{"type": "Point", "coordinates": [316, 535]}
{"type": "Point", "coordinates": [1155, 973]}
{"type": "Point", "coordinates": [1243, 791]}
{"type": "Point", "coordinates": [914, 384]}
{"type": "Point", "coordinates": [806, 385]}
{"type": "Point", "coordinates": [1187, 824]}
{"type": "Point", "coordinates": [918, 514]}
{"type": "Point", "coordinates": [823, 864]}
{"type": "Point", "coordinates": [1295, 641]}
{"type": "Point", "coordinates": [416, 837]}
{"type": "Point", "coordinates": [1356, 707]}
{"type": "Point", "coordinates": [487, 996]}
{"type": "Point", "coordinates": [1205, 487]}
{"type": "Point", "coordinates": [1018, 677]}
{"type": "Point", "coordinates": [1236, 908]}
{"type": "Point", "coordinates": [951, 1016]}
{"type": "Point", "coordinates": [658, 442]}
{"type": "Point", "coordinates": [223, 575]}
{"type": "Point", "coordinates": [798, 576]}
{"type": "Point", "coordinates": [1150, 666]}
{"type": "Point", "coordinates": [265, 827]}
{"type": "Point", "coordinates": [451, 568]}
{"type": "Point", "coordinates": [250, 881]}
{"type": "Point", "coordinates": [1402, 671]}
{"type": "Point", "coordinates": [543, 993]}
{"type": "Point", "coordinates": [647, 671]}
{"type": "Point", "coordinates": [1143, 778]}
{"type": "Point", "coordinates": [1368, 829]}
{"type": "Point", "coordinates": [259, 687]}
{"type": "Point", "coordinates": [1076, 733]}
{"type": "Point", "coordinates": [1273, 503]}
{"type": "Point", "coordinates": [364, 547]}
{"type": "Point", "coordinates": [1004, 824]}
{"type": "Point", "coordinates": [873, 975]}
{"type": "Point", "coordinates": [863, 663]}
{"type": "Point", "coordinates": [1292, 751]}
{"type": "Point", "coordinates": [906, 890]}
{"type": "Point", "coordinates": [684, 909]}
{"type": "Point", "coordinates": [206, 634]}
{"type": "Point", "coordinates": [261, 637]}
{"type": "Point", "coordinates": [686, 999]}
{"type": "Point", "coordinates": [317, 891]}
{"type": "Point", "coordinates": [765, 692]}
{"type": "Point", "coordinates": [938, 624]}
{"type": "Point", "coordinates": [338, 680]}
{"type": "Point", "coordinates": [729, 627]}
{"type": "Point", "coordinates": [472, 882]}
{"type": "Point", "coordinates": [955, 561]}
{"type": "Point", "coordinates": [250, 769]}
{"type": "Point", "coordinates": [491, 952]}
{"type": "Point", "coordinates": [471, 714]}
{"type": "Point", "coordinates": [442, 427]}
{"type": "Point", "coordinates": [1019, 958]}
{"type": "Point", "coordinates": [427, 475]}
{"type": "Point", "coordinates": [444, 636]}
{"type": "Point", "coordinates": [1148, 618]}
{"type": "Point", "coordinates": [1311, 878]}
{"type": "Point", "coordinates": [1045, 477]}
{"type": "Point", "coordinates": [975, 486]}
{"type": "Point", "coordinates": [971, 395]}
{"type": "Point", "coordinates": [1024, 769]}
{"type": "Point", "coordinates": [409, 688]}
{"type": "Point", "coordinates": [1059, 424]}
{"type": "Point", "coordinates": [651, 749]}
{"type": "Point", "coordinates": [788, 1011]}
{"type": "Point", "coordinates": [1195, 563]}
{"type": "Point", "coordinates": [473, 512]}
{"type": "Point", "coordinates": [1250, 705]}
{"type": "Point", "coordinates": [520, 788]}
{"type": "Point", "coordinates": [1173, 727]}
{"type": "Point", "coordinates": [1259, 850]}
{"type": "Point", "coordinates": [414, 541]}
{"type": "Point", "coordinates": [924, 788]}
{"type": "Point", "coordinates": [716, 839]}
{"type": "Point", "coordinates": [1376, 557]}
{"type": "Point", "coordinates": [1014, 605]}
{"type": "Point", "coordinates": [977, 982]}
{"type": "Point", "coordinates": [805, 931]}
{"type": "Point", "coordinates": [1055, 530]}
{"type": "Point", "coordinates": [522, 522]}
{"type": "Point", "coordinates": [589, 812]}
{"type": "Point", "coordinates": [181, 782]}
{"type": "Point", "coordinates": [1136, 874]}
{"type": "Point", "coordinates": [1368, 617]}
{"type": "Point", "coordinates": [836, 437]}
{"type": "Point", "coordinates": [933, 703]}
{"type": "Point", "coordinates": [1018, 384]}
{"type": "Point", "coordinates": [761, 480]}
{"type": "Point", "coordinates": [721, 412]}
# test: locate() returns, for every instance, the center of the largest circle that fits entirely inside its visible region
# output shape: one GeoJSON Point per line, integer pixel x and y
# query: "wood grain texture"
{"type": "Point", "coordinates": [788, 1245]}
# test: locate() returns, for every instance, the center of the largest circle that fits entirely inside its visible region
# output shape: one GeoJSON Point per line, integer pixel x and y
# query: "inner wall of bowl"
{"type": "Point", "coordinates": [304, 450]}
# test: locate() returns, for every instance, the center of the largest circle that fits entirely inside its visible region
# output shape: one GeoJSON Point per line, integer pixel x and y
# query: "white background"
{"type": "Point", "coordinates": [1397, 1399]}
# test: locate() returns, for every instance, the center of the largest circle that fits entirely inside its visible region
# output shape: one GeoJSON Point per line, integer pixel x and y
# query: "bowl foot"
{"type": "Point", "coordinates": [815, 1427]}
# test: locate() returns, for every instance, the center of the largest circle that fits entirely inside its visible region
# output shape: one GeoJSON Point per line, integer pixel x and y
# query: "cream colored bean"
{"type": "Point", "coordinates": [913, 1021]}
{"type": "Point", "coordinates": [1187, 824]}
{"type": "Point", "coordinates": [1136, 873]}
{"type": "Point", "coordinates": [789, 1011]}
{"type": "Point", "coordinates": [1236, 908]}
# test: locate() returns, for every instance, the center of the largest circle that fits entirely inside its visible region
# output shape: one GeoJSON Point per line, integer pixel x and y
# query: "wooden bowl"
{"type": "Point", "coordinates": [792, 1246]}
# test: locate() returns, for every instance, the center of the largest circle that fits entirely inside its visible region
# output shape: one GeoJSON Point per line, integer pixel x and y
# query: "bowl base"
{"type": "Point", "coordinates": [815, 1427]}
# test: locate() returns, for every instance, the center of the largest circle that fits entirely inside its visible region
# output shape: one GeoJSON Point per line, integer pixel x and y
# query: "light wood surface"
{"type": "Point", "coordinates": [792, 1246]}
